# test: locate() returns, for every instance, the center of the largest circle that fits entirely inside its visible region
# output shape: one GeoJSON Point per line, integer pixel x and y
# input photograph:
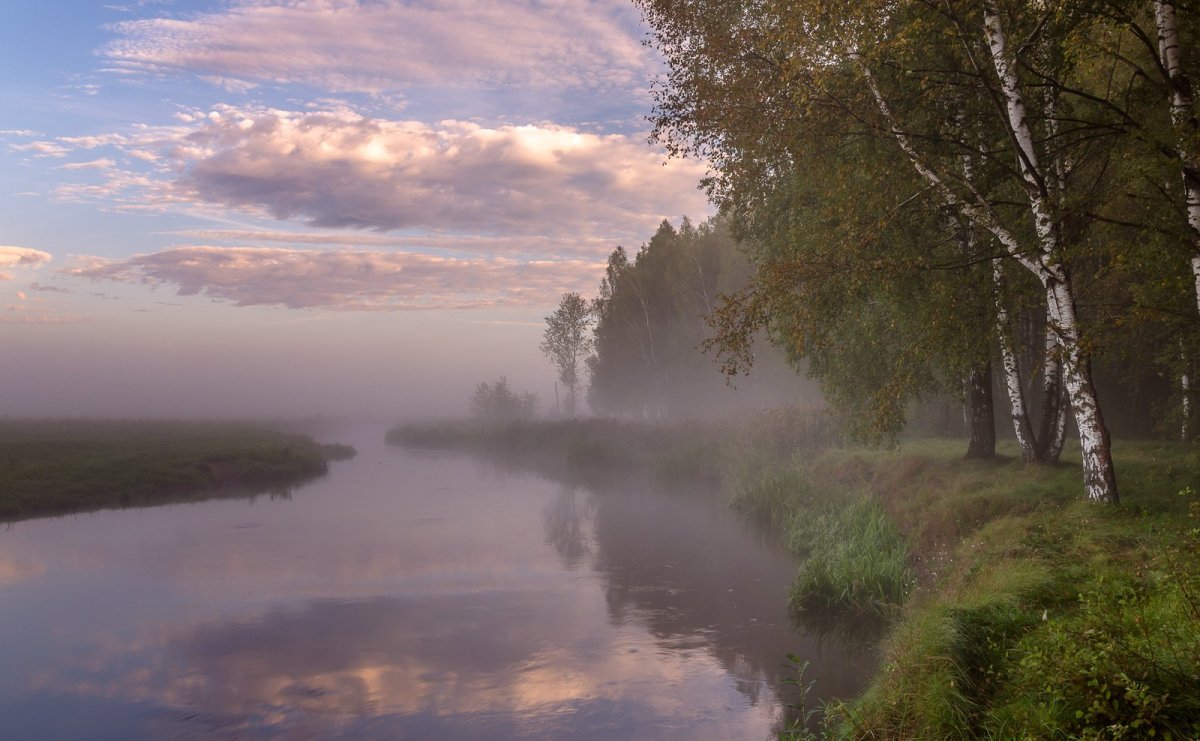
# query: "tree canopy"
{"type": "Point", "coordinates": [926, 186]}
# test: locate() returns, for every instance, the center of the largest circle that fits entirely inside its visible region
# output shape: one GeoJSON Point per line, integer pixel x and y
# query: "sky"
{"type": "Point", "coordinates": [306, 207]}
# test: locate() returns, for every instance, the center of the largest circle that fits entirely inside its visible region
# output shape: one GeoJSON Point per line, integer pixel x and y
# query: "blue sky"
{"type": "Point", "coordinates": [311, 206]}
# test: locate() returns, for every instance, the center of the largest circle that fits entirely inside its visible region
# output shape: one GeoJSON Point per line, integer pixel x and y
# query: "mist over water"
{"type": "Point", "coordinates": [406, 594]}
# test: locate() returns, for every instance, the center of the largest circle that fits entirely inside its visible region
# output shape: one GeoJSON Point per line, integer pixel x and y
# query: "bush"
{"type": "Point", "coordinates": [496, 402]}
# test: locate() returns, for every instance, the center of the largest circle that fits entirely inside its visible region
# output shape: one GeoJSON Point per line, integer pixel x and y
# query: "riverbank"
{"type": "Point", "coordinates": [1017, 609]}
{"type": "Point", "coordinates": [55, 467]}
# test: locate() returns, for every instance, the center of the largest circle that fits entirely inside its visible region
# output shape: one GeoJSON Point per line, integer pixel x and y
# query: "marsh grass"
{"type": "Point", "coordinates": [854, 558]}
{"type": "Point", "coordinates": [51, 467]}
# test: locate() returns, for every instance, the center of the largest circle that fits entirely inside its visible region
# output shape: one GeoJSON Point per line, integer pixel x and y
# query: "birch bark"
{"type": "Point", "coordinates": [1183, 119]}
{"type": "Point", "coordinates": [1099, 478]}
{"type": "Point", "coordinates": [1012, 371]}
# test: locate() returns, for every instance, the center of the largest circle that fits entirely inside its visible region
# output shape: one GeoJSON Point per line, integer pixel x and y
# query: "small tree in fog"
{"type": "Point", "coordinates": [568, 341]}
{"type": "Point", "coordinates": [497, 402]}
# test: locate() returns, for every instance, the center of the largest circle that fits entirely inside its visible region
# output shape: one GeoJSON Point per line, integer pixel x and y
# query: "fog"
{"type": "Point", "coordinates": [141, 358]}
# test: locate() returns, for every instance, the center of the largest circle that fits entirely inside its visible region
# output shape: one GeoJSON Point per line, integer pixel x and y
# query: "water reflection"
{"type": "Point", "coordinates": [404, 596]}
{"type": "Point", "coordinates": [566, 521]}
{"type": "Point", "coordinates": [681, 566]}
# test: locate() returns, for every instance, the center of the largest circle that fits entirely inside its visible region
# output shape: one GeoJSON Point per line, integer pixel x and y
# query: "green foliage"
{"type": "Point", "coordinates": [863, 153]}
{"type": "Point", "coordinates": [774, 497]}
{"type": "Point", "coordinates": [567, 342]}
{"type": "Point", "coordinates": [853, 557]}
{"type": "Point", "coordinates": [799, 725]}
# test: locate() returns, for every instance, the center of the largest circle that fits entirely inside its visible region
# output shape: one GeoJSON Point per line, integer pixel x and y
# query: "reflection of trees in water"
{"type": "Point", "coordinates": [565, 518]}
{"type": "Point", "coordinates": [697, 578]}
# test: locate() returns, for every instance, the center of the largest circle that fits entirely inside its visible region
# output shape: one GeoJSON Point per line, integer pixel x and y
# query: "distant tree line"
{"type": "Point", "coordinates": [639, 344]}
{"type": "Point", "coordinates": [651, 312]}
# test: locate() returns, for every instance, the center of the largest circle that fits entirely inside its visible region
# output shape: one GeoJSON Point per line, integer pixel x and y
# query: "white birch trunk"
{"type": "Point", "coordinates": [1012, 371]}
{"type": "Point", "coordinates": [1099, 479]}
{"type": "Point", "coordinates": [1053, 428]}
{"type": "Point", "coordinates": [1183, 118]}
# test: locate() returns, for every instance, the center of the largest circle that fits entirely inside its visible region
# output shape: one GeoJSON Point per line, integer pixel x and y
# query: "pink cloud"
{"type": "Point", "coordinates": [36, 310]}
{"type": "Point", "coordinates": [340, 169]}
{"type": "Point", "coordinates": [96, 164]}
{"type": "Point", "coordinates": [20, 257]}
{"type": "Point", "coordinates": [41, 149]}
{"type": "Point", "coordinates": [352, 46]}
{"type": "Point", "coordinates": [356, 280]}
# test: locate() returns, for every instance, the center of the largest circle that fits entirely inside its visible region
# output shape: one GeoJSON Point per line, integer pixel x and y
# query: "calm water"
{"type": "Point", "coordinates": [406, 595]}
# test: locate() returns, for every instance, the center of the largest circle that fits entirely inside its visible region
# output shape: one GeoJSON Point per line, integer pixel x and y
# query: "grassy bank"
{"type": "Point", "coordinates": [1033, 614]}
{"type": "Point", "coordinates": [1017, 609]}
{"type": "Point", "coordinates": [53, 467]}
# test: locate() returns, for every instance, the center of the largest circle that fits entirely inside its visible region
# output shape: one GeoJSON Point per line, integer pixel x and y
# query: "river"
{"type": "Point", "coordinates": [408, 594]}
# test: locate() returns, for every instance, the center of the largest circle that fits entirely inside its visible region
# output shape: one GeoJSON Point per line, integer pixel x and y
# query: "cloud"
{"type": "Point", "coordinates": [96, 164]}
{"type": "Point", "coordinates": [42, 287]}
{"type": "Point", "coordinates": [20, 257]}
{"type": "Point", "coordinates": [356, 280]}
{"type": "Point", "coordinates": [341, 169]}
{"type": "Point", "coordinates": [430, 243]}
{"type": "Point", "coordinates": [386, 45]}
{"type": "Point", "coordinates": [41, 149]}
{"type": "Point", "coordinates": [35, 310]}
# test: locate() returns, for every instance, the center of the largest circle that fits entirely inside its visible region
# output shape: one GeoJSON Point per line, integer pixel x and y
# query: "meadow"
{"type": "Point", "coordinates": [55, 467]}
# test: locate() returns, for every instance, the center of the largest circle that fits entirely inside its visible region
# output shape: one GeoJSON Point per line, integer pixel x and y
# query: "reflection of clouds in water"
{"type": "Point", "coordinates": [19, 567]}
{"type": "Point", "coordinates": [410, 595]}
{"type": "Point", "coordinates": [435, 664]}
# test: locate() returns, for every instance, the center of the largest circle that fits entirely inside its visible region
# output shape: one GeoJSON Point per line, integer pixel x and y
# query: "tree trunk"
{"type": "Point", "coordinates": [1012, 370]}
{"type": "Point", "coordinates": [1099, 478]}
{"type": "Point", "coordinates": [980, 411]}
{"type": "Point", "coordinates": [1183, 119]}
{"type": "Point", "coordinates": [1052, 424]}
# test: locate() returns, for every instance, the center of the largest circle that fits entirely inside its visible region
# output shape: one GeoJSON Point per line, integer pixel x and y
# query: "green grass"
{"type": "Point", "coordinates": [52, 467]}
{"type": "Point", "coordinates": [853, 558]}
{"type": "Point", "coordinates": [1039, 615]}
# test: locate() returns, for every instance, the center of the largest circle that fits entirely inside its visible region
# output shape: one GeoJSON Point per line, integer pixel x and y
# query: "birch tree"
{"type": "Point", "coordinates": [567, 342]}
{"type": "Point", "coordinates": [790, 66]}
